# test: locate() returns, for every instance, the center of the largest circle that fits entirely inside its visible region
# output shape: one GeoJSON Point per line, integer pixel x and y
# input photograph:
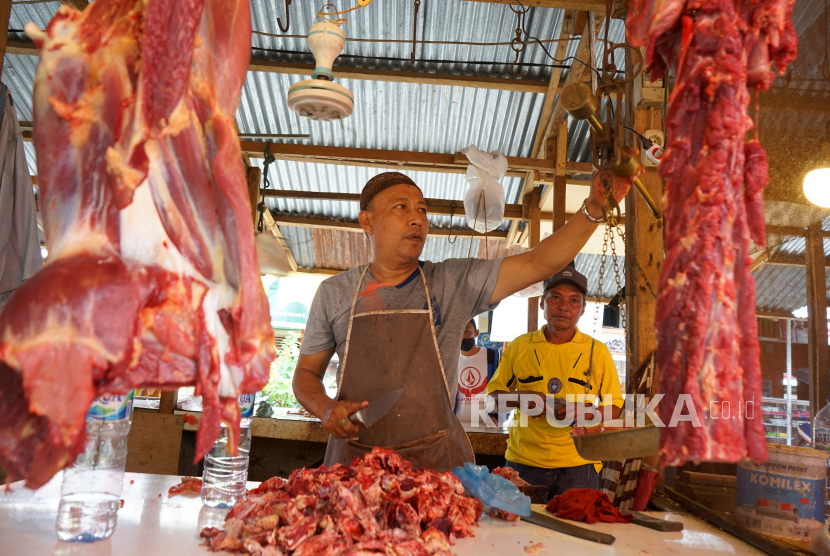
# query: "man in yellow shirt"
{"type": "Point", "coordinates": [557, 360]}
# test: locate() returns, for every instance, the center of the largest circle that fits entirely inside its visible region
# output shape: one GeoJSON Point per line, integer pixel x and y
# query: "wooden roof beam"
{"type": "Point", "coordinates": [586, 5]}
{"type": "Point", "coordinates": [368, 74]}
{"type": "Point", "coordinates": [324, 224]}
{"type": "Point", "coordinates": [402, 160]}
{"type": "Point", "coordinates": [80, 5]}
{"type": "Point", "coordinates": [442, 207]}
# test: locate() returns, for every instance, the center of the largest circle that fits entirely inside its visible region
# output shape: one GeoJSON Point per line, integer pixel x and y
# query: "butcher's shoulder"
{"type": "Point", "coordinates": [449, 269]}
{"type": "Point", "coordinates": [341, 285]}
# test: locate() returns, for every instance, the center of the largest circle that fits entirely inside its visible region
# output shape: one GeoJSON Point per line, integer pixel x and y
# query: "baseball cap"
{"type": "Point", "coordinates": [568, 275]}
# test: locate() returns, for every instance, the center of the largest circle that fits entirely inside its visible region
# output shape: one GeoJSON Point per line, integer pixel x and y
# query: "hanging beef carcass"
{"type": "Point", "coordinates": [152, 278]}
{"type": "Point", "coordinates": [717, 51]}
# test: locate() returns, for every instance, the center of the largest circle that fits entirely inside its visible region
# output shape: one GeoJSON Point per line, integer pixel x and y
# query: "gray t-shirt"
{"type": "Point", "coordinates": [460, 290]}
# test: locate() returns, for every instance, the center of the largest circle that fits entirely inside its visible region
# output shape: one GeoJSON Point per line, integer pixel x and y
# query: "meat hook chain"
{"type": "Point", "coordinates": [287, 18]}
{"type": "Point", "coordinates": [415, 29]}
{"type": "Point", "coordinates": [517, 44]}
{"type": "Point", "coordinates": [269, 159]}
{"type": "Point", "coordinates": [612, 223]}
{"type": "Point", "coordinates": [449, 236]}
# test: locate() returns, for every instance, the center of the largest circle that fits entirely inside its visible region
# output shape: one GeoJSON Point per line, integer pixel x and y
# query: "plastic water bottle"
{"type": "Point", "coordinates": [224, 476]}
{"type": "Point", "coordinates": [91, 489]}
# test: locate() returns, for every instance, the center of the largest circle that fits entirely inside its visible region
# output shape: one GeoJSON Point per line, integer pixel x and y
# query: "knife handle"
{"type": "Point", "coordinates": [353, 418]}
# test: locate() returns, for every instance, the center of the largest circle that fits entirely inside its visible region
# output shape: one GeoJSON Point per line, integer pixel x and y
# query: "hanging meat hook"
{"type": "Point", "coordinates": [287, 18]}
{"type": "Point", "coordinates": [517, 44]}
{"type": "Point", "coordinates": [415, 29]}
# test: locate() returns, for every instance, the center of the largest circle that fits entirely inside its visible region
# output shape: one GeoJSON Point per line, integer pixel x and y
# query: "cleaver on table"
{"type": "Point", "coordinates": [561, 526]}
{"type": "Point", "coordinates": [376, 409]}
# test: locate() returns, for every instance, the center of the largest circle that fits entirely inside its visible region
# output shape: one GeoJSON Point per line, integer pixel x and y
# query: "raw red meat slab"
{"type": "Point", "coordinates": [152, 278]}
{"type": "Point", "coordinates": [707, 338]}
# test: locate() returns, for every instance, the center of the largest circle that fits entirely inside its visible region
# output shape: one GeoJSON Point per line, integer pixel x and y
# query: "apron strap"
{"type": "Point", "coordinates": [349, 332]}
{"type": "Point", "coordinates": [434, 336]}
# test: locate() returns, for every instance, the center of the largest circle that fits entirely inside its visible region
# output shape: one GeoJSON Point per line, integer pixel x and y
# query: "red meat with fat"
{"type": "Point", "coordinates": [707, 339]}
{"type": "Point", "coordinates": [152, 278]}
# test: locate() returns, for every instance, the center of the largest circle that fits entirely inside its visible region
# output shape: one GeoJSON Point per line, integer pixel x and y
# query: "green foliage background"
{"type": "Point", "coordinates": [278, 391]}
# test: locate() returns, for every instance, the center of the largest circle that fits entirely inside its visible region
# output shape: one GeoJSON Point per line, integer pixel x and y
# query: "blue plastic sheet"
{"type": "Point", "coordinates": [494, 491]}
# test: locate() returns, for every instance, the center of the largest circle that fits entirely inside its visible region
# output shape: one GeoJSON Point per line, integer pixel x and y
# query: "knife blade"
{"type": "Point", "coordinates": [566, 528]}
{"type": "Point", "coordinates": [376, 409]}
{"type": "Point", "coordinates": [657, 524]}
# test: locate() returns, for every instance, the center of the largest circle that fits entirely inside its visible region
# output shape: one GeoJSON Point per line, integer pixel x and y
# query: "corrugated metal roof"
{"type": "Point", "coordinates": [437, 21]}
{"type": "Point", "coordinates": [301, 244]}
{"type": "Point", "coordinates": [589, 265]}
{"type": "Point", "coordinates": [780, 288]}
{"type": "Point", "coordinates": [40, 14]}
{"type": "Point", "coordinates": [400, 116]}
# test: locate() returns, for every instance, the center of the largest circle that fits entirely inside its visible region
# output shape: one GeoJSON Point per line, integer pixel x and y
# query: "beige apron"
{"type": "Point", "coordinates": [391, 349]}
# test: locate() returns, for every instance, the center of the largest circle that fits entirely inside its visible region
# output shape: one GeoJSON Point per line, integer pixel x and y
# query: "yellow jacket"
{"type": "Point", "coordinates": [531, 363]}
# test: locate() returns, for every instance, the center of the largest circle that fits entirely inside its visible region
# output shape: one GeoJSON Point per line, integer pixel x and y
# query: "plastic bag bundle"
{"type": "Point", "coordinates": [494, 491]}
{"type": "Point", "coordinates": [484, 201]}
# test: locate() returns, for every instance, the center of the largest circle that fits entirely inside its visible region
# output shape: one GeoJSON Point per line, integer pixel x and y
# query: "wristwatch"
{"type": "Point", "coordinates": [588, 215]}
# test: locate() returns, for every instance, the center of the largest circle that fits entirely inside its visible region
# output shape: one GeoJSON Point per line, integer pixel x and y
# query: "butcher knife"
{"type": "Point", "coordinates": [376, 409]}
{"type": "Point", "coordinates": [566, 528]}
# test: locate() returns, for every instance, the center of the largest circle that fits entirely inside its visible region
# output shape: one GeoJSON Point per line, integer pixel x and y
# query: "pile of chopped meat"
{"type": "Point", "coordinates": [152, 278]}
{"type": "Point", "coordinates": [717, 51]}
{"type": "Point", "coordinates": [377, 505]}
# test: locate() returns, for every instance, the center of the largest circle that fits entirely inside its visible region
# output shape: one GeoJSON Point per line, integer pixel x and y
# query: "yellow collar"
{"type": "Point", "coordinates": [539, 336]}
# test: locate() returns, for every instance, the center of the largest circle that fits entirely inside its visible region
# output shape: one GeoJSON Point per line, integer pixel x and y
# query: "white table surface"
{"type": "Point", "coordinates": [152, 523]}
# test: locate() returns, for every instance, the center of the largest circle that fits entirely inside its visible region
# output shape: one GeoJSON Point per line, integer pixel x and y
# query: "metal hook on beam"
{"type": "Point", "coordinates": [287, 18]}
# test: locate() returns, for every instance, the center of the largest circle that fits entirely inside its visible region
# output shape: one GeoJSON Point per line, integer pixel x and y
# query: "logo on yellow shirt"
{"type": "Point", "coordinates": [554, 385]}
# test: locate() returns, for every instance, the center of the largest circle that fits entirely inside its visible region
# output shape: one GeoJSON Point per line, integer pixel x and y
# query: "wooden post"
{"type": "Point", "coordinates": [644, 251]}
{"type": "Point", "coordinates": [5, 13]}
{"type": "Point", "coordinates": [559, 181]}
{"type": "Point", "coordinates": [817, 349]}
{"type": "Point", "coordinates": [168, 401]}
{"type": "Point", "coordinates": [254, 177]}
{"type": "Point", "coordinates": [535, 223]}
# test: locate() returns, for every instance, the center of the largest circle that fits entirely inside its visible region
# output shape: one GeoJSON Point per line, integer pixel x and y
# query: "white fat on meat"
{"type": "Point", "coordinates": [144, 239]}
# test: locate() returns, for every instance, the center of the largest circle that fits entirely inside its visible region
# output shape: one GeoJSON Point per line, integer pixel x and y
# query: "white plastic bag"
{"type": "Point", "coordinates": [484, 201]}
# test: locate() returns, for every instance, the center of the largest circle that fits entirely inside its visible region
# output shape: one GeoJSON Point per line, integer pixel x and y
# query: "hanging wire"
{"type": "Point", "coordinates": [390, 59]}
{"type": "Point", "coordinates": [393, 41]}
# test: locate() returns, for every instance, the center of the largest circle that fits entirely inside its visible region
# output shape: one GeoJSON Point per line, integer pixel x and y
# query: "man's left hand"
{"type": "Point", "coordinates": [596, 203]}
